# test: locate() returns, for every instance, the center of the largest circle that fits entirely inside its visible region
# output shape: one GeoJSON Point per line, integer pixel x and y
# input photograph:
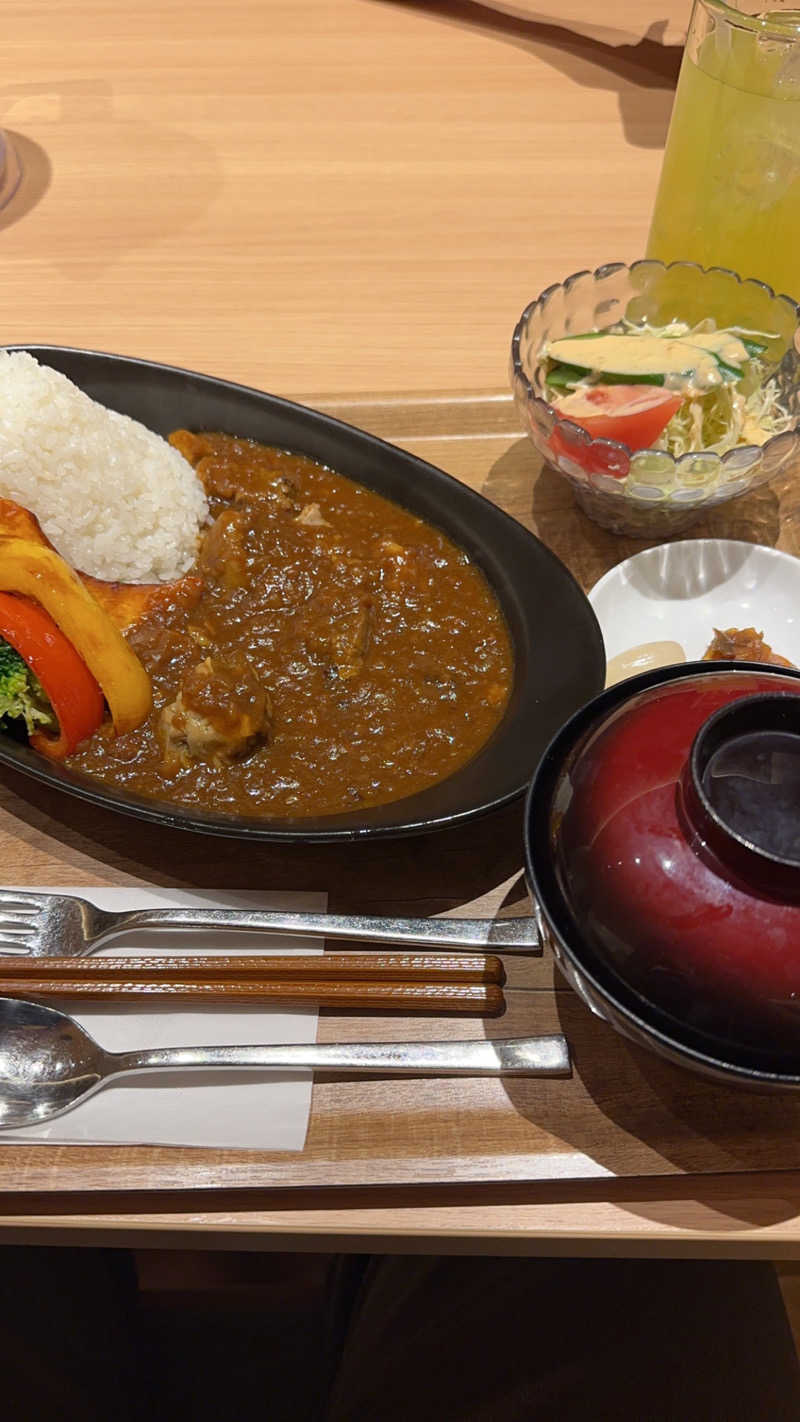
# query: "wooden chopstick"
{"type": "Point", "coordinates": [385, 982]}
{"type": "Point", "coordinates": [341, 967]}
{"type": "Point", "coordinates": [387, 996]}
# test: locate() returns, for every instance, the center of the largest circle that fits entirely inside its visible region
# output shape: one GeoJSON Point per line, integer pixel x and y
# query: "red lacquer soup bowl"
{"type": "Point", "coordinates": [663, 845]}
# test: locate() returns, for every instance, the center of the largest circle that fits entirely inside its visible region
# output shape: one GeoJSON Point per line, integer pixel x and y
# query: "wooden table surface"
{"type": "Point", "coordinates": [347, 202]}
{"type": "Point", "coordinates": [309, 195]}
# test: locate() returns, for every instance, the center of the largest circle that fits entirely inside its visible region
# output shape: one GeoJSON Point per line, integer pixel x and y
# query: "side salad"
{"type": "Point", "coordinates": [677, 387]}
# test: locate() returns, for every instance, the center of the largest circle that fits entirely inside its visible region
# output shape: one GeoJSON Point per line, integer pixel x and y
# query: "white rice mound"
{"type": "Point", "coordinates": [116, 500]}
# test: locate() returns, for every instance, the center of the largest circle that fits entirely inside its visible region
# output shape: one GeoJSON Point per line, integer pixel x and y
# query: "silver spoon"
{"type": "Point", "coordinates": [48, 1063]}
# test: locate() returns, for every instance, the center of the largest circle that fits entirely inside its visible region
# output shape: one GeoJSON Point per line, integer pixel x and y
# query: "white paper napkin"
{"type": "Point", "coordinates": [247, 1110]}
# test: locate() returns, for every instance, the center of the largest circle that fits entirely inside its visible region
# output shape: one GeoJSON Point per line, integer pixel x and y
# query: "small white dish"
{"type": "Point", "coordinates": [680, 592]}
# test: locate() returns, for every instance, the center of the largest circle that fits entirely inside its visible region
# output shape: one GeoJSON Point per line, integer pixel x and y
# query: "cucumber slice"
{"type": "Point", "coordinates": [756, 342]}
{"type": "Point", "coordinates": [611, 377]}
{"type": "Point", "coordinates": [647, 359]}
{"type": "Point", "coordinates": [628, 356]}
{"type": "Point", "coordinates": [753, 348]}
{"type": "Point", "coordinates": [564, 377]}
{"type": "Point", "coordinates": [727, 348]}
{"type": "Point", "coordinates": [731, 372]}
{"type": "Point", "coordinates": [592, 335]}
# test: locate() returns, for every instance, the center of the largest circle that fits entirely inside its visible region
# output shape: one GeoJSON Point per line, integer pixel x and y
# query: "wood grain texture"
{"type": "Point", "coordinates": [754, 1216]}
{"type": "Point", "coordinates": [343, 967]}
{"type": "Point", "coordinates": [348, 982]}
{"type": "Point", "coordinates": [623, 1117]}
{"type": "Point", "coordinates": [362, 197]}
{"type": "Point", "coordinates": [344, 997]}
{"type": "Point", "coordinates": [300, 194]}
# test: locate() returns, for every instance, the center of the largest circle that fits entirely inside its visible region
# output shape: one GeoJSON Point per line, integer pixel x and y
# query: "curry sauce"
{"type": "Point", "coordinates": [333, 651]}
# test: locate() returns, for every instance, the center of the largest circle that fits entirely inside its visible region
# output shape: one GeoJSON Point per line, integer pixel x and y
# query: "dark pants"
{"type": "Point", "coordinates": [418, 1339]}
{"type": "Point", "coordinates": [518, 1340]}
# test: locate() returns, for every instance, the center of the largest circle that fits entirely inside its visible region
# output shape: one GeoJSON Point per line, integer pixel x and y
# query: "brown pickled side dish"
{"type": "Point", "coordinates": [742, 644]}
{"type": "Point", "coordinates": [339, 653]}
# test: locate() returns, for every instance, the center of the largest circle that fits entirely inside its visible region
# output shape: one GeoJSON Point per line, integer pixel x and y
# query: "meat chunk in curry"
{"type": "Point", "coordinates": [221, 713]}
{"type": "Point", "coordinates": [341, 652]}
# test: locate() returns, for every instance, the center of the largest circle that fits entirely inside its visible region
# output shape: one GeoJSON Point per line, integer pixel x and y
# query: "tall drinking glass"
{"type": "Point", "coordinates": [729, 194]}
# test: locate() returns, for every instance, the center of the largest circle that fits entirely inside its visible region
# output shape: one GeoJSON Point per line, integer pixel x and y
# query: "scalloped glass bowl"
{"type": "Point", "coordinates": [649, 493]}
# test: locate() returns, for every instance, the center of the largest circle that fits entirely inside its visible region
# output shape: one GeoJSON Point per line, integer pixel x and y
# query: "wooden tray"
{"type": "Point", "coordinates": [624, 1113]}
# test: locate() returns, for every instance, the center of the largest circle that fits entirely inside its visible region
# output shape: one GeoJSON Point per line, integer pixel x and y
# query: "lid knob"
{"type": "Point", "coordinates": [741, 789]}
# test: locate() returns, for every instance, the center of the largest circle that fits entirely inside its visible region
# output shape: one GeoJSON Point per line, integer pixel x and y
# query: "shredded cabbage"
{"type": "Point", "coordinates": [747, 412]}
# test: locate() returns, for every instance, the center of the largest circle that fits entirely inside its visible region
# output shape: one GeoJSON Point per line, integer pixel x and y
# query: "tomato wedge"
{"type": "Point", "coordinates": [634, 415]}
{"type": "Point", "coordinates": [72, 691]}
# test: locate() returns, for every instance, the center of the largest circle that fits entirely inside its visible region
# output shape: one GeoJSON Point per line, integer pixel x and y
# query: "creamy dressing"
{"type": "Point", "coordinates": [723, 344]}
{"type": "Point", "coordinates": [582, 403]}
{"type": "Point", "coordinates": [688, 364]}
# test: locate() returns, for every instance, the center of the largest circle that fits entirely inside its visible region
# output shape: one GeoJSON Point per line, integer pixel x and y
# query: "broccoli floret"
{"type": "Point", "coordinates": [22, 696]}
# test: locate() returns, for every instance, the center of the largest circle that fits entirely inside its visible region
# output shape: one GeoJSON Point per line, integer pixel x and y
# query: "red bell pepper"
{"type": "Point", "coordinates": [71, 689]}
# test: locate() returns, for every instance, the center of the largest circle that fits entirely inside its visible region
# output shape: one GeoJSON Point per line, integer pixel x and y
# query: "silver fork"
{"type": "Point", "coordinates": [59, 925]}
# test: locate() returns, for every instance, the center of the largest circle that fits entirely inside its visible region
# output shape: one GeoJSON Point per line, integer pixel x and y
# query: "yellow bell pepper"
{"type": "Point", "coordinates": [40, 573]}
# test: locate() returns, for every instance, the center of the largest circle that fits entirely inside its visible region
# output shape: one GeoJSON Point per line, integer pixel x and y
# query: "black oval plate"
{"type": "Point", "coordinates": [558, 647]}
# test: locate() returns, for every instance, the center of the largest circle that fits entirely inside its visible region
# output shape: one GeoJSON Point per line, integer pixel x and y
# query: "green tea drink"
{"type": "Point", "coordinates": [729, 194]}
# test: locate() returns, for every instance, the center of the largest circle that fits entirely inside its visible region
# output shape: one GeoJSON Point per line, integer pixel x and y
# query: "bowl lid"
{"type": "Point", "coordinates": [674, 827]}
